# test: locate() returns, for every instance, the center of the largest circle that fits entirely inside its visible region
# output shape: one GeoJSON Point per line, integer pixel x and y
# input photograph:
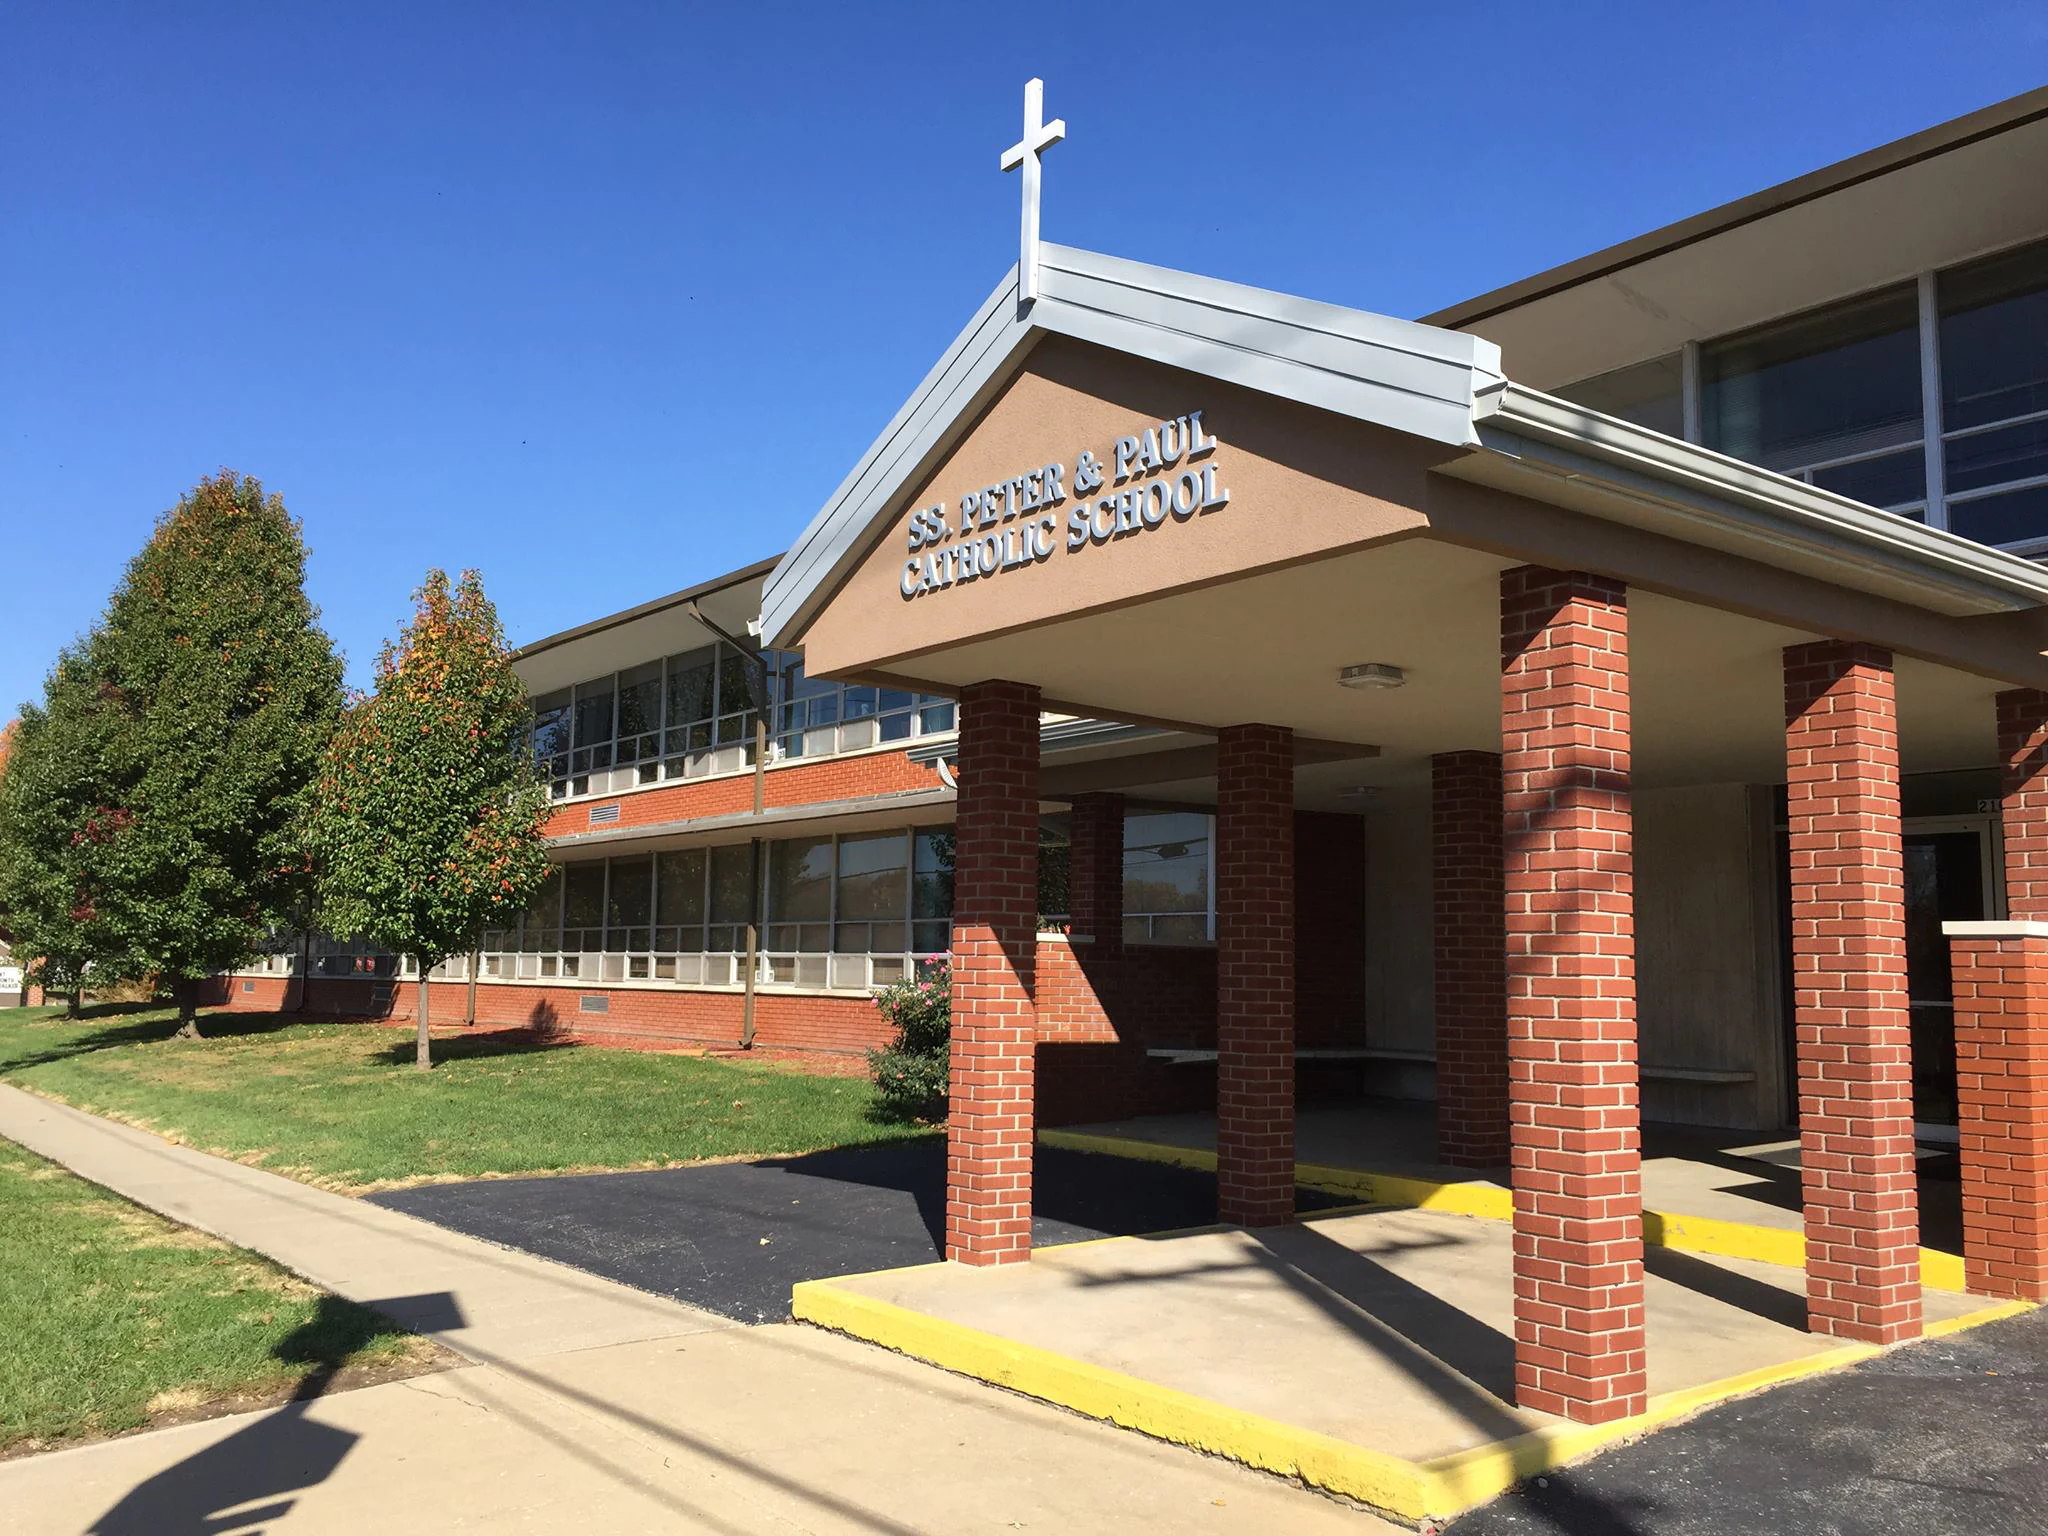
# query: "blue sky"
{"type": "Point", "coordinates": [606, 298]}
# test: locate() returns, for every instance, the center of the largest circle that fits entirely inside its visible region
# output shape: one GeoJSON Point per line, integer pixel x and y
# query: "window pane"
{"type": "Point", "coordinates": [932, 885]}
{"type": "Point", "coordinates": [1821, 387]}
{"type": "Point", "coordinates": [632, 897]}
{"type": "Point", "coordinates": [1889, 480]}
{"type": "Point", "coordinates": [593, 714]}
{"type": "Point", "coordinates": [738, 681]}
{"type": "Point", "coordinates": [1647, 394]}
{"type": "Point", "coordinates": [640, 700]}
{"type": "Point", "coordinates": [585, 898]}
{"type": "Point", "coordinates": [1994, 339]}
{"type": "Point", "coordinates": [800, 880]}
{"type": "Point", "coordinates": [938, 716]}
{"type": "Point", "coordinates": [874, 878]}
{"type": "Point", "coordinates": [731, 867]}
{"type": "Point", "coordinates": [1998, 457]}
{"type": "Point", "coordinates": [680, 889]}
{"type": "Point", "coordinates": [551, 724]}
{"type": "Point", "coordinates": [2007, 518]}
{"type": "Point", "coordinates": [1166, 862]}
{"type": "Point", "coordinates": [541, 927]}
{"type": "Point", "coordinates": [689, 688]}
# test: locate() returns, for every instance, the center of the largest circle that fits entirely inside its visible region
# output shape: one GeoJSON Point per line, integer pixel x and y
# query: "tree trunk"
{"type": "Point", "coordinates": [188, 1014]}
{"type": "Point", "coordinates": [305, 965]}
{"type": "Point", "coordinates": [423, 1055]}
{"type": "Point", "coordinates": [476, 959]}
{"type": "Point", "coordinates": [74, 1007]}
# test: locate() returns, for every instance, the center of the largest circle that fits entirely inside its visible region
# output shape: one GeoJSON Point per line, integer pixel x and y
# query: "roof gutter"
{"type": "Point", "coordinates": [1739, 504]}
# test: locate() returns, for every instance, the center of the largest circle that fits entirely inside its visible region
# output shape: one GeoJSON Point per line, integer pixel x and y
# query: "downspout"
{"type": "Point", "coordinates": [760, 663]}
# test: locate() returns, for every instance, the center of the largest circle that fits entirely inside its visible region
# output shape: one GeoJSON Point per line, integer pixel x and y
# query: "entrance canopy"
{"type": "Point", "coordinates": [1165, 499]}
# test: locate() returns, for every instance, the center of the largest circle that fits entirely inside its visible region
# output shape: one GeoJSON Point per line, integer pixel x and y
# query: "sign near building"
{"type": "Point", "coordinates": [1165, 475]}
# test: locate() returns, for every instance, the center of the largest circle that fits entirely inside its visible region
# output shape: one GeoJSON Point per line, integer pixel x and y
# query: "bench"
{"type": "Point", "coordinates": [1713, 1076]}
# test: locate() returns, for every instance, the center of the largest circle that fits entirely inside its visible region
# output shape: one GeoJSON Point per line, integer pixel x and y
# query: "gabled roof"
{"type": "Point", "coordinates": [1414, 378]}
{"type": "Point", "coordinates": [1446, 386]}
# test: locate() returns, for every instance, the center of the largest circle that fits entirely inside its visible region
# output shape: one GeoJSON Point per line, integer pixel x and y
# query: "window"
{"type": "Point", "coordinates": [1166, 877]}
{"type": "Point", "coordinates": [1831, 398]}
{"type": "Point", "coordinates": [1648, 394]}
{"type": "Point", "coordinates": [799, 895]}
{"type": "Point", "coordinates": [1994, 396]}
{"type": "Point", "coordinates": [873, 894]}
{"type": "Point", "coordinates": [695, 714]}
{"type": "Point", "coordinates": [931, 892]}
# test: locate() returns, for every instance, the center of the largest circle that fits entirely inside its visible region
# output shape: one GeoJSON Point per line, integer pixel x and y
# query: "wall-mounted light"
{"type": "Point", "coordinates": [1372, 674]}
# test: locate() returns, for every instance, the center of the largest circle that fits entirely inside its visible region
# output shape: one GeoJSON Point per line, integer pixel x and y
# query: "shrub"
{"type": "Point", "coordinates": [910, 1073]}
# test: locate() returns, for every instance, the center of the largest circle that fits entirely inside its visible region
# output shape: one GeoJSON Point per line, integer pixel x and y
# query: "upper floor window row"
{"type": "Point", "coordinates": [702, 712]}
{"type": "Point", "coordinates": [1840, 397]}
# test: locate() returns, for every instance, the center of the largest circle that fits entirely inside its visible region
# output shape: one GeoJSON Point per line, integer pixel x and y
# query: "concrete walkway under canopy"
{"type": "Point", "coordinates": [590, 1406]}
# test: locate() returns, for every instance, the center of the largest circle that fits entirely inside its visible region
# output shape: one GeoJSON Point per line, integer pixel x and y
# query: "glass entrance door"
{"type": "Point", "coordinates": [1948, 879]}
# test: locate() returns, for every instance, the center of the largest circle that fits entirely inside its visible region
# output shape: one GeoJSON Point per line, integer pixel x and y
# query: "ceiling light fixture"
{"type": "Point", "coordinates": [1372, 674]}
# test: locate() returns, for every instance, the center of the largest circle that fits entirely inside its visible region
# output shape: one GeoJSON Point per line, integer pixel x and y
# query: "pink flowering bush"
{"type": "Point", "coordinates": [910, 1073]}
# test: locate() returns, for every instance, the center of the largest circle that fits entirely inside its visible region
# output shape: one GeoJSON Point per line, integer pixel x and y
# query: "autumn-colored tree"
{"type": "Point", "coordinates": [224, 691]}
{"type": "Point", "coordinates": [431, 806]}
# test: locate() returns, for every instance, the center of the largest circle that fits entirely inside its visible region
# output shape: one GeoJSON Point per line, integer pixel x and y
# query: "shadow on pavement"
{"type": "Point", "coordinates": [255, 1475]}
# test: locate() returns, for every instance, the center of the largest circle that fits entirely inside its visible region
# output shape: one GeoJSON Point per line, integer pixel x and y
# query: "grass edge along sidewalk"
{"type": "Point", "coordinates": [338, 1104]}
{"type": "Point", "coordinates": [116, 1319]}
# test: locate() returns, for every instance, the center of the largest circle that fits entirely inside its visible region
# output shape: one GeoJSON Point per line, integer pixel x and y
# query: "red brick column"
{"type": "Point", "coordinates": [1571, 1003]}
{"type": "Point", "coordinates": [1466, 833]}
{"type": "Point", "coordinates": [1255, 975]}
{"type": "Point", "coordinates": [2001, 998]}
{"type": "Point", "coordinates": [1849, 980]}
{"type": "Point", "coordinates": [2023, 787]}
{"type": "Point", "coordinates": [995, 942]}
{"type": "Point", "coordinates": [2001, 993]}
{"type": "Point", "coordinates": [1095, 870]}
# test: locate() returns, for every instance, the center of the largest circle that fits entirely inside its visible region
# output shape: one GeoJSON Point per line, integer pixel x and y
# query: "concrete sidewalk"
{"type": "Point", "coordinates": [591, 1406]}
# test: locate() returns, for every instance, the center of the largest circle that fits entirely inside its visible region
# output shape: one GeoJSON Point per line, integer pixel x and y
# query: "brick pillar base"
{"type": "Point", "coordinates": [2001, 992]}
{"type": "Point", "coordinates": [1095, 871]}
{"type": "Point", "coordinates": [1849, 978]}
{"type": "Point", "coordinates": [1471, 960]}
{"type": "Point", "coordinates": [995, 942]}
{"type": "Point", "coordinates": [1571, 1002]}
{"type": "Point", "coordinates": [1255, 975]}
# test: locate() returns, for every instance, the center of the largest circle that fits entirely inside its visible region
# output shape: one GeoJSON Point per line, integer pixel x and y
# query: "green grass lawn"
{"type": "Point", "coordinates": [111, 1317]}
{"type": "Point", "coordinates": [341, 1104]}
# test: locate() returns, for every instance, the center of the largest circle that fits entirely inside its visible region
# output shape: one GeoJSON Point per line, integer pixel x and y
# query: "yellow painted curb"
{"type": "Point", "coordinates": [1478, 1197]}
{"type": "Point", "coordinates": [1386, 1482]}
{"type": "Point", "coordinates": [1410, 1490]}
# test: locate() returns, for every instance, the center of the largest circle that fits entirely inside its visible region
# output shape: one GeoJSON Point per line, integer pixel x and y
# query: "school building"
{"type": "Point", "coordinates": [1621, 696]}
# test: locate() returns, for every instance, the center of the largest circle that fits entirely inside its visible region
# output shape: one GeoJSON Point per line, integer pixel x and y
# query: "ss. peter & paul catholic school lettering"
{"type": "Point", "coordinates": [1158, 477]}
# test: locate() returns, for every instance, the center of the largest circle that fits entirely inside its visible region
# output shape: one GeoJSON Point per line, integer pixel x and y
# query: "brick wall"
{"type": "Point", "coordinates": [2001, 994]}
{"type": "Point", "coordinates": [649, 1016]}
{"type": "Point", "coordinates": [989, 1127]}
{"type": "Point", "coordinates": [1571, 1008]}
{"type": "Point", "coordinates": [795, 783]}
{"type": "Point", "coordinates": [1255, 934]}
{"type": "Point", "coordinates": [1849, 979]}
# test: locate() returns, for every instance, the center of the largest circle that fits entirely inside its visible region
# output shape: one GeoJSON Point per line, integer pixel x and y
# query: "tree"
{"type": "Point", "coordinates": [431, 804]}
{"type": "Point", "coordinates": [56, 828]}
{"type": "Point", "coordinates": [225, 691]}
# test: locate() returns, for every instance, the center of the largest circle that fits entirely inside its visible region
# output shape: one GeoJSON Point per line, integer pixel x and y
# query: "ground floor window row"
{"type": "Point", "coordinates": [853, 911]}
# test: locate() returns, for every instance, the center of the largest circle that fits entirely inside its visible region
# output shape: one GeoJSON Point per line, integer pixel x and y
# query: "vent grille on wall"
{"type": "Point", "coordinates": [603, 815]}
{"type": "Point", "coordinates": [593, 1002]}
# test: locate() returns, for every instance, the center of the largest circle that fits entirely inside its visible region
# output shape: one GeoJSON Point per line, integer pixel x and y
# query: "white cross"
{"type": "Point", "coordinates": [1039, 136]}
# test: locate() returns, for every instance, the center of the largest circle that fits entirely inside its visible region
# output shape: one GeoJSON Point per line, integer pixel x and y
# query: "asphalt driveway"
{"type": "Point", "coordinates": [1936, 1439]}
{"type": "Point", "coordinates": [734, 1237]}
